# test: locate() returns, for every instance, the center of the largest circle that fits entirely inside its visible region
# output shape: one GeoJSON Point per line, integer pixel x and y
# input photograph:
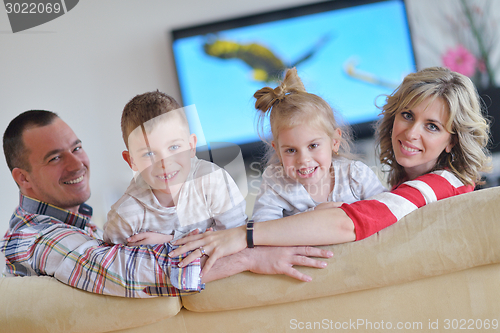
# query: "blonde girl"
{"type": "Point", "coordinates": [307, 157]}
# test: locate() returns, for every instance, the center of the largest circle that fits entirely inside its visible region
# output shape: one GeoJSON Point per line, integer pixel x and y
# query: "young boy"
{"type": "Point", "coordinates": [173, 192]}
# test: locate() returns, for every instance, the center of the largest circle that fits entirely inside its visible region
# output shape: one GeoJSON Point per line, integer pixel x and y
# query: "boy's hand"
{"type": "Point", "coordinates": [148, 238]}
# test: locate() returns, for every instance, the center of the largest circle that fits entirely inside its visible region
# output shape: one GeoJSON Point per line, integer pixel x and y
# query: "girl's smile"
{"type": "Point", "coordinates": [306, 172]}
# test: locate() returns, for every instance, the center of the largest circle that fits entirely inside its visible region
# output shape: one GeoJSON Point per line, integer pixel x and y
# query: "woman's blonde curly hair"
{"type": "Point", "coordinates": [467, 125]}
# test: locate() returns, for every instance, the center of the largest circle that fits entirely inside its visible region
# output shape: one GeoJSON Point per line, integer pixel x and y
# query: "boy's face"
{"type": "Point", "coordinates": [163, 156]}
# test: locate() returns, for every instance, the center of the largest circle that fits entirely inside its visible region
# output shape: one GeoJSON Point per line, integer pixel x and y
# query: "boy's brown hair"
{"type": "Point", "coordinates": [145, 107]}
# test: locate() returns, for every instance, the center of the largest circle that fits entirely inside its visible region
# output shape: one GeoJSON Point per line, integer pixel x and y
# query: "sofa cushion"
{"type": "Point", "coordinates": [446, 236]}
{"type": "Point", "coordinates": [50, 306]}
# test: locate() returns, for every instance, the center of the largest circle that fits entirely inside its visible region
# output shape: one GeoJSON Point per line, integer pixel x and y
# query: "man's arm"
{"type": "Point", "coordinates": [75, 257]}
{"type": "Point", "coordinates": [268, 260]}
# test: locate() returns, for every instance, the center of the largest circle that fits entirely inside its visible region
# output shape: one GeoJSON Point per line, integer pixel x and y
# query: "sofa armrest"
{"type": "Point", "coordinates": [43, 304]}
{"type": "Point", "coordinates": [446, 236]}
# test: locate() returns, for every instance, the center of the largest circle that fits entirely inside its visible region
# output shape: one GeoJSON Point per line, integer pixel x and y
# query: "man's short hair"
{"type": "Point", "coordinates": [16, 154]}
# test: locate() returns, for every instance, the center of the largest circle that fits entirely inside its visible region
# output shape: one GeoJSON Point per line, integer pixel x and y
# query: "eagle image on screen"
{"type": "Point", "coordinates": [266, 66]}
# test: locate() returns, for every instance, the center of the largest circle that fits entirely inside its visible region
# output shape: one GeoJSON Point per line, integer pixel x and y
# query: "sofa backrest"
{"type": "Point", "coordinates": [443, 237]}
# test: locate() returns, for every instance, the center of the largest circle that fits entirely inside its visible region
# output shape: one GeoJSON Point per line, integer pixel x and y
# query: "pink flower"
{"type": "Point", "coordinates": [481, 66]}
{"type": "Point", "coordinates": [460, 60]}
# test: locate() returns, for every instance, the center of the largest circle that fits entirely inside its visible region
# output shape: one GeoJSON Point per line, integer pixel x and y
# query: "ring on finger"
{"type": "Point", "coordinates": [202, 250]}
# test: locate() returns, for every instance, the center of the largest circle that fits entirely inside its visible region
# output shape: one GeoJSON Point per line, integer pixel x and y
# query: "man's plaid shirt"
{"type": "Point", "coordinates": [45, 240]}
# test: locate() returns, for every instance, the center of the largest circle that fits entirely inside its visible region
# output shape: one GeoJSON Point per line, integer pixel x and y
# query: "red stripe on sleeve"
{"type": "Point", "coordinates": [411, 194]}
{"type": "Point", "coordinates": [442, 188]}
{"type": "Point", "coordinates": [369, 217]}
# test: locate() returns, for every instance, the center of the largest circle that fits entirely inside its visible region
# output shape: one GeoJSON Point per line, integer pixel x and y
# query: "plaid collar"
{"type": "Point", "coordinates": [34, 206]}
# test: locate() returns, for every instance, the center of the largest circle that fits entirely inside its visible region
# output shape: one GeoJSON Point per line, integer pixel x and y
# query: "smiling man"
{"type": "Point", "coordinates": [50, 232]}
{"type": "Point", "coordinates": [55, 169]}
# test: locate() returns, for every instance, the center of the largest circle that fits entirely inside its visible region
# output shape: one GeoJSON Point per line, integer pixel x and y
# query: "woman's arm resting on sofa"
{"type": "Point", "coordinates": [268, 260]}
{"type": "Point", "coordinates": [318, 227]}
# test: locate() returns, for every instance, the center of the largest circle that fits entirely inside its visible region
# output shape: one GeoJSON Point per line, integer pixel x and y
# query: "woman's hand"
{"type": "Point", "coordinates": [327, 205]}
{"type": "Point", "coordinates": [216, 244]}
{"type": "Point", "coordinates": [148, 238]}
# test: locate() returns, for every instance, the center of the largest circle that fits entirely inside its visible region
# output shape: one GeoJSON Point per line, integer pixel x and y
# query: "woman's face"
{"type": "Point", "coordinates": [419, 136]}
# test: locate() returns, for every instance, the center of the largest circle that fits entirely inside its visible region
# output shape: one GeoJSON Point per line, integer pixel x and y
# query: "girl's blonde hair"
{"type": "Point", "coordinates": [289, 105]}
{"type": "Point", "coordinates": [466, 123]}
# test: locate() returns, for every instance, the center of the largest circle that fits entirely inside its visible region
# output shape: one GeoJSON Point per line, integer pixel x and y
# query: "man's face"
{"type": "Point", "coordinates": [59, 166]}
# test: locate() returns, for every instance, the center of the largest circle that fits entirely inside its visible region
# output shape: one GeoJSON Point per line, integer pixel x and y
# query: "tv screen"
{"type": "Point", "coordinates": [346, 51]}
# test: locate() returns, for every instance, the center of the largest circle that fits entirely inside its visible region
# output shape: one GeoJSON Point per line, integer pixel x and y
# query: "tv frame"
{"type": "Point", "coordinates": [254, 150]}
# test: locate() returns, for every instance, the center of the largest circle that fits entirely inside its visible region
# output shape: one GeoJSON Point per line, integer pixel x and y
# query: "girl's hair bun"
{"type": "Point", "coordinates": [268, 97]}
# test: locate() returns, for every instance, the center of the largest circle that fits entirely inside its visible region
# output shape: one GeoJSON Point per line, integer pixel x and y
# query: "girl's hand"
{"type": "Point", "coordinates": [216, 244]}
{"type": "Point", "coordinates": [148, 238]}
{"type": "Point", "coordinates": [327, 205]}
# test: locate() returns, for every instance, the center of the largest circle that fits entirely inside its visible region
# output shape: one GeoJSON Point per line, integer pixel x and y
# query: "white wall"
{"type": "Point", "coordinates": [87, 64]}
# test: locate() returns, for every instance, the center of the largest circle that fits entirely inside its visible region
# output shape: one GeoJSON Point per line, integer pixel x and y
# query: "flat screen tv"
{"type": "Point", "coordinates": [348, 52]}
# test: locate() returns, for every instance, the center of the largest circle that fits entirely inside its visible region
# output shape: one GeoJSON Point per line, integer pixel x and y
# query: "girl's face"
{"type": "Point", "coordinates": [306, 155]}
{"type": "Point", "coordinates": [419, 136]}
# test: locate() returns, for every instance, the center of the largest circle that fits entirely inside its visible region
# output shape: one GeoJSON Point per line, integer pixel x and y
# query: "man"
{"type": "Point", "coordinates": [51, 232]}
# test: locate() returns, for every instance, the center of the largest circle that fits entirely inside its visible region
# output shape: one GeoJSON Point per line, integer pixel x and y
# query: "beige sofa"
{"type": "Point", "coordinates": [435, 270]}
